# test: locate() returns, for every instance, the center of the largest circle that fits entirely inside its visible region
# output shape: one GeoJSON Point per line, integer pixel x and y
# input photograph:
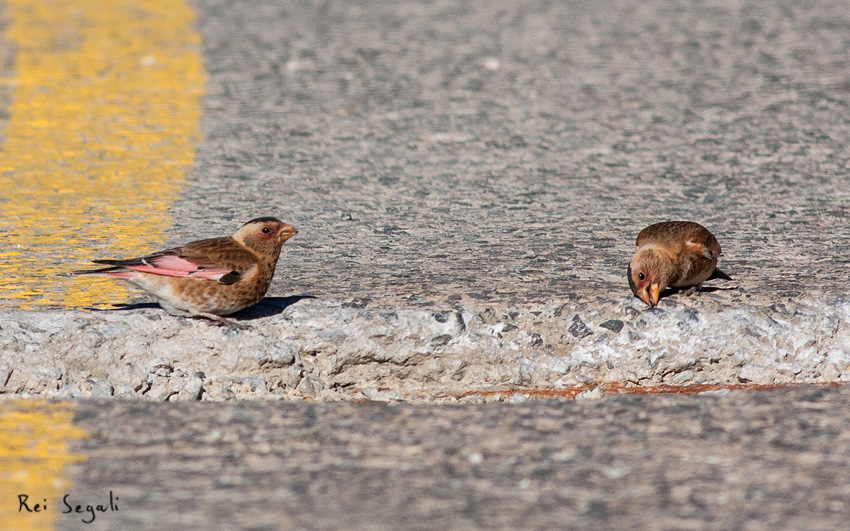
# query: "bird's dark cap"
{"type": "Point", "coordinates": [262, 220]}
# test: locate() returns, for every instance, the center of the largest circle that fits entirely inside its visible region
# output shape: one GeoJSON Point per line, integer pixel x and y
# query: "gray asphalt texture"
{"type": "Point", "coordinates": [775, 460]}
{"type": "Point", "coordinates": [510, 152]}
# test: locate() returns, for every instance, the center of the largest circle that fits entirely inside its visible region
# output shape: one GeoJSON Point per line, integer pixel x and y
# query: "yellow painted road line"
{"type": "Point", "coordinates": [33, 459]}
{"type": "Point", "coordinates": [101, 133]}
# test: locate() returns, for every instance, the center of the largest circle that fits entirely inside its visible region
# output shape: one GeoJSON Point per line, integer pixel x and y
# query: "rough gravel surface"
{"type": "Point", "coordinates": [315, 349]}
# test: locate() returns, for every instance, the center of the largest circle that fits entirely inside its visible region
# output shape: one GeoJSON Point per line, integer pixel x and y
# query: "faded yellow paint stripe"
{"type": "Point", "coordinates": [33, 459]}
{"type": "Point", "coordinates": [100, 136]}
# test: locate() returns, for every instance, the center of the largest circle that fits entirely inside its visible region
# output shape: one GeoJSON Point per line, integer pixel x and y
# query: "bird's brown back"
{"type": "Point", "coordinates": [676, 233]}
{"type": "Point", "coordinates": [224, 252]}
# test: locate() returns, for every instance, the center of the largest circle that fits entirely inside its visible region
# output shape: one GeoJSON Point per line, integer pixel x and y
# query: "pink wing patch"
{"type": "Point", "coordinates": [174, 266]}
{"type": "Point", "coordinates": [699, 247]}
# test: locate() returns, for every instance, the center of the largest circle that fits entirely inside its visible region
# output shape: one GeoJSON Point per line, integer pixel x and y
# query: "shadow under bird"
{"type": "Point", "coordinates": [676, 254]}
{"type": "Point", "coordinates": [208, 278]}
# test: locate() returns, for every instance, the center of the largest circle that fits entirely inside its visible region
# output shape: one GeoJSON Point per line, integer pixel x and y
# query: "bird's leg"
{"type": "Point", "coordinates": [222, 321]}
{"type": "Point", "coordinates": [692, 290]}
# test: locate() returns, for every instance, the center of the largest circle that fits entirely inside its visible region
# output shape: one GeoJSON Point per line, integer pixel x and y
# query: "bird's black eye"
{"type": "Point", "coordinates": [266, 230]}
{"type": "Point", "coordinates": [641, 276]}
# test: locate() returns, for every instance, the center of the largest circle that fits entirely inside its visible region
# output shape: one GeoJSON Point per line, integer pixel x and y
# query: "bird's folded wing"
{"type": "Point", "coordinates": [707, 247]}
{"type": "Point", "coordinates": [223, 260]}
{"type": "Point", "coordinates": [176, 266]}
{"type": "Point", "coordinates": [218, 259]}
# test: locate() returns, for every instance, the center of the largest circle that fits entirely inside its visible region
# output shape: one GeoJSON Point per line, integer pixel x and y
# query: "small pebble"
{"type": "Point", "coordinates": [590, 394]}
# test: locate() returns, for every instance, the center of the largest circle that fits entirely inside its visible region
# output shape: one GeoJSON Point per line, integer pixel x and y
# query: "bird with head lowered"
{"type": "Point", "coordinates": [676, 254]}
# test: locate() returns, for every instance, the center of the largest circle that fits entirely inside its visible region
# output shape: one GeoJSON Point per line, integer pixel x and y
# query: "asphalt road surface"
{"type": "Point", "coordinates": [773, 460]}
{"type": "Point", "coordinates": [510, 152]}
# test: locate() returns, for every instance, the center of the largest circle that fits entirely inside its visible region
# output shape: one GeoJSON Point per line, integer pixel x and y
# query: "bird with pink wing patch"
{"type": "Point", "coordinates": [208, 278]}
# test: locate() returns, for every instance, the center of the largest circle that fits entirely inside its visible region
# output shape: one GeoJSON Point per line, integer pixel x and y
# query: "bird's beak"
{"type": "Point", "coordinates": [650, 294]}
{"type": "Point", "coordinates": [285, 233]}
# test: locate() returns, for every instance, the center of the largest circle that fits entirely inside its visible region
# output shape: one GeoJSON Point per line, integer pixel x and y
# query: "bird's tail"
{"type": "Point", "coordinates": [719, 274]}
{"type": "Point", "coordinates": [115, 266]}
